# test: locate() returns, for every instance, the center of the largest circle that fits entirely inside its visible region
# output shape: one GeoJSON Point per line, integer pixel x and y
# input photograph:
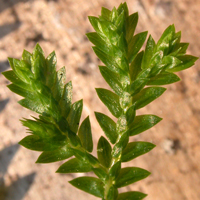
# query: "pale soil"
{"type": "Point", "coordinates": [61, 26]}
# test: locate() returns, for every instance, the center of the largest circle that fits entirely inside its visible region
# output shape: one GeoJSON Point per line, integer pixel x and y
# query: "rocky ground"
{"type": "Point", "coordinates": [61, 25]}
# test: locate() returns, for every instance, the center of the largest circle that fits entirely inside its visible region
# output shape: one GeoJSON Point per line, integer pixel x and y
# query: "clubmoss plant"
{"type": "Point", "coordinates": [135, 77]}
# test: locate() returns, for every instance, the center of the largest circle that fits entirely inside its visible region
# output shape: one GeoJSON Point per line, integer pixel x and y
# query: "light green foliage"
{"type": "Point", "coordinates": [135, 77]}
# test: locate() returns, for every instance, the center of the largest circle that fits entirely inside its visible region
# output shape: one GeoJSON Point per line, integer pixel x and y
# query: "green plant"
{"type": "Point", "coordinates": [135, 77]}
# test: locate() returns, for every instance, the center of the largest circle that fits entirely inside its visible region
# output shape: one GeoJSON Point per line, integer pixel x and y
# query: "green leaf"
{"type": "Point", "coordinates": [135, 45]}
{"type": "Point", "coordinates": [75, 115]}
{"type": "Point", "coordinates": [36, 143]}
{"type": "Point", "coordinates": [51, 69]}
{"type": "Point", "coordinates": [131, 196]}
{"type": "Point", "coordinates": [130, 115]}
{"type": "Point", "coordinates": [130, 26]}
{"type": "Point", "coordinates": [90, 185]}
{"type": "Point", "coordinates": [104, 152]}
{"type": "Point", "coordinates": [100, 173]}
{"type": "Point", "coordinates": [149, 50]}
{"type": "Point", "coordinates": [105, 13]}
{"type": "Point", "coordinates": [66, 100]}
{"type": "Point", "coordinates": [163, 78]}
{"type": "Point", "coordinates": [187, 61]}
{"type": "Point", "coordinates": [135, 149]}
{"type": "Point", "coordinates": [26, 56]}
{"type": "Point", "coordinates": [138, 85]}
{"type": "Point", "coordinates": [85, 135]}
{"type": "Point", "coordinates": [58, 87]}
{"type": "Point", "coordinates": [112, 79]}
{"type": "Point", "coordinates": [111, 101]}
{"type": "Point", "coordinates": [142, 123]}
{"type": "Point", "coordinates": [74, 165]}
{"type": "Point", "coordinates": [164, 41]}
{"type": "Point", "coordinates": [130, 175]}
{"type": "Point", "coordinates": [54, 156]}
{"type": "Point", "coordinates": [115, 170]}
{"type": "Point", "coordinates": [108, 126]}
{"type": "Point", "coordinates": [135, 67]}
{"type": "Point", "coordinates": [146, 96]}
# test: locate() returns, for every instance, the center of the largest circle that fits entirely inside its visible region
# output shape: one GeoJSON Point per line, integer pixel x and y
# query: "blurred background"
{"type": "Point", "coordinates": [61, 25]}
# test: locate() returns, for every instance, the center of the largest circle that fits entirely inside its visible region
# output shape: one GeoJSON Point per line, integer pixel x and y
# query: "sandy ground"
{"type": "Point", "coordinates": [61, 25]}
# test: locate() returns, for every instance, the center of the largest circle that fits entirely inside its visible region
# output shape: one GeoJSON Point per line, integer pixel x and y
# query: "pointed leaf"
{"type": "Point", "coordinates": [108, 126]}
{"type": "Point", "coordinates": [104, 152]}
{"type": "Point", "coordinates": [138, 85]}
{"type": "Point", "coordinates": [130, 26]}
{"type": "Point", "coordinates": [26, 56]}
{"type": "Point", "coordinates": [54, 156]}
{"type": "Point", "coordinates": [135, 149]}
{"type": "Point", "coordinates": [130, 175]}
{"type": "Point", "coordinates": [112, 79]}
{"type": "Point", "coordinates": [130, 115]}
{"type": "Point", "coordinates": [187, 61]}
{"type": "Point", "coordinates": [142, 123]}
{"type": "Point", "coordinates": [34, 142]}
{"type": "Point", "coordinates": [105, 13]}
{"type": "Point", "coordinates": [131, 196]}
{"type": "Point", "coordinates": [74, 165]}
{"type": "Point", "coordinates": [149, 50]}
{"type": "Point", "coordinates": [163, 78]}
{"type": "Point", "coordinates": [75, 115]}
{"type": "Point", "coordinates": [146, 96]}
{"type": "Point", "coordinates": [115, 170]}
{"type": "Point", "coordinates": [111, 101]}
{"type": "Point", "coordinates": [66, 100]}
{"type": "Point", "coordinates": [135, 67]}
{"type": "Point", "coordinates": [135, 45]}
{"type": "Point", "coordinates": [85, 135]}
{"type": "Point", "coordinates": [90, 185]}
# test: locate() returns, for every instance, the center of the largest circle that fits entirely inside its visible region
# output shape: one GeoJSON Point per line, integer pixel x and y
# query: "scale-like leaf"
{"type": "Point", "coordinates": [90, 185]}
{"type": "Point", "coordinates": [85, 135]}
{"type": "Point", "coordinates": [135, 149]}
{"type": "Point", "coordinates": [54, 156]}
{"type": "Point", "coordinates": [142, 123]}
{"type": "Point", "coordinates": [146, 96]}
{"type": "Point", "coordinates": [75, 115]}
{"type": "Point", "coordinates": [104, 152]}
{"type": "Point", "coordinates": [108, 126]}
{"type": "Point", "coordinates": [130, 175]}
{"type": "Point", "coordinates": [111, 101]}
{"type": "Point", "coordinates": [74, 165]}
{"type": "Point", "coordinates": [131, 196]}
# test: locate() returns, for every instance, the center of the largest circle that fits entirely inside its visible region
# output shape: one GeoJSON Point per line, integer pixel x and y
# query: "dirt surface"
{"type": "Point", "coordinates": [61, 25]}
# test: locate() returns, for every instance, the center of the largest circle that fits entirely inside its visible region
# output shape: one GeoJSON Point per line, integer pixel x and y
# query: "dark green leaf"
{"type": "Point", "coordinates": [74, 165]}
{"type": "Point", "coordinates": [36, 143]}
{"type": "Point", "coordinates": [85, 135]}
{"type": "Point", "coordinates": [142, 123]}
{"type": "Point", "coordinates": [149, 50]}
{"type": "Point", "coordinates": [90, 185]}
{"type": "Point", "coordinates": [75, 115]}
{"type": "Point", "coordinates": [138, 85]}
{"type": "Point", "coordinates": [112, 193]}
{"type": "Point", "coordinates": [112, 79]}
{"type": "Point", "coordinates": [108, 126]}
{"type": "Point", "coordinates": [146, 96]}
{"type": "Point", "coordinates": [54, 156]}
{"type": "Point", "coordinates": [163, 78]}
{"type": "Point", "coordinates": [111, 101]}
{"type": "Point", "coordinates": [131, 196]}
{"type": "Point", "coordinates": [104, 152]}
{"type": "Point", "coordinates": [187, 61]}
{"type": "Point", "coordinates": [135, 45]}
{"type": "Point", "coordinates": [135, 66]}
{"type": "Point", "coordinates": [130, 175]}
{"type": "Point", "coordinates": [130, 115]}
{"type": "Point", "coordinates": [115, 170]}
{"type": "Point", "coordinates": [135, 149]}
{"type": "Point", "coordinates": [130, 26]}
{"type": "Point", "coordinates": [100, 173]}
